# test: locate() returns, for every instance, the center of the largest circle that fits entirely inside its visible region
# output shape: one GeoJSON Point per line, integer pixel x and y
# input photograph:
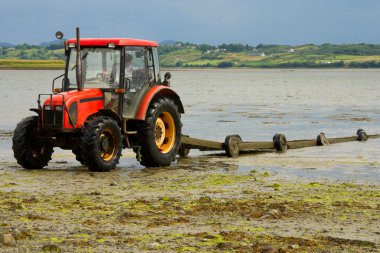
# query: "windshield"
{"type": "Point", "coordinates": [100, 68]}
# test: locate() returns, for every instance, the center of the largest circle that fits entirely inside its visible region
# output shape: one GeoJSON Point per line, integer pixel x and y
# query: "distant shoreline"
{"type": "Point", "coordinates": [16, 64]}
{"type": "Point", "coordinates": [30, 68]}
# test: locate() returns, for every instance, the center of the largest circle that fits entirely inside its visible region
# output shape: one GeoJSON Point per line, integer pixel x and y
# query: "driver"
{"type": "Point", "coordinates": [128, 66]}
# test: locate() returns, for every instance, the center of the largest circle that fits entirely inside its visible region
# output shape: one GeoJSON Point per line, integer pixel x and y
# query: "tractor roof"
{"type": "Point", "coordinates": [103, 42]}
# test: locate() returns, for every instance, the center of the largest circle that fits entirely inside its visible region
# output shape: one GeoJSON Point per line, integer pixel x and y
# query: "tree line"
{"type": "Point", "coordinates": [214, 55]}
{"type": "Point", "coordinates": [33, 52]}
{"type": "Point", "coordinates": [324, 49]}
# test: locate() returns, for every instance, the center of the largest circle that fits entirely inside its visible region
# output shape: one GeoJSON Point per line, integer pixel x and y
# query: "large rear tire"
{"type": "Point", "coordinates": [29, 152]}
{"type": "Point", "coordinates": [160, 133]}
{"type": "Point", "coordinates": [101, 144]}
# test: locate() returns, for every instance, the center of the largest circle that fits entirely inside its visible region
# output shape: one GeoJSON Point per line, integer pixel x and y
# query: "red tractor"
{"type": "Point", "coordinates": [111, 98]}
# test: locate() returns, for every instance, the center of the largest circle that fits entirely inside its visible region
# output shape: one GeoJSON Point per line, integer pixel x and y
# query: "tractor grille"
{"type": "Point", "coordinates": [51, 112]}
{"type": "Point", "coordinates": [53, 118]}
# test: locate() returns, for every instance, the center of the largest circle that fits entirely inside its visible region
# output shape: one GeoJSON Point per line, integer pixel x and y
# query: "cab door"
{"type": "Point", "coordinates": [139, 73]}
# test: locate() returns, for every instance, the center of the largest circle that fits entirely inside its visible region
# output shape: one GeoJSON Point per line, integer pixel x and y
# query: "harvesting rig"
{"type": "Point", "coordinates": [112, 97]}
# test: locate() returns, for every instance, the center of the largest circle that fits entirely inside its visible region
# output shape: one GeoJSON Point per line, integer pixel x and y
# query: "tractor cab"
{"type": "Point", "coordinates": [123, 69]}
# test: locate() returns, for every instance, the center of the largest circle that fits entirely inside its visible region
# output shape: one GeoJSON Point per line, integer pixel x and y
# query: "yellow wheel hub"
{"type": "Point", "coordinates": [164, 132]}
{"type": "Point", "coordinates": [107, 145]}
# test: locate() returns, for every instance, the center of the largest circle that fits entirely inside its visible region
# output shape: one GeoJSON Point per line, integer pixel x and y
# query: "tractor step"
{"type": "Point", "coordinates": [233, 144]}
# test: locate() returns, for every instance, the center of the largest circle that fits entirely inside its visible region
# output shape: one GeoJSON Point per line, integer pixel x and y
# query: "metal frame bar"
{"type": "Point", "coordinates": [201, 144]}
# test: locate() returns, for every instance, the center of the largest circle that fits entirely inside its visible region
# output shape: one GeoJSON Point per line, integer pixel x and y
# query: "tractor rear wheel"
{"type": "Point", "coordinates": [160, 133]}
{"type": "Point", "coordinates": [29, 152]}
{"type": "Point", "coordinates": [101, 144]}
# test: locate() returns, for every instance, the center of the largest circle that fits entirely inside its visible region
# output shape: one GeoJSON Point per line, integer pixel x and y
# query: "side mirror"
{"type": "Point", "coordinates": [59, 35]}
{"type": "Point", "coordinates": [167, 76]}
{"type": "Point", "coordinates": [166, 81]}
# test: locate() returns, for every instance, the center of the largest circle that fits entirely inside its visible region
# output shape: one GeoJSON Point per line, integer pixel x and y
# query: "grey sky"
{"type": "Point", "coordinates": [199, 21]}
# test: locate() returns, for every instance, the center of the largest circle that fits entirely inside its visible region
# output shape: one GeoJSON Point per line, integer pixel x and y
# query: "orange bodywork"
{"type": "Point", "coordinates": [88, 102]}
{"type": "Point", "coordinates": [153, 92]}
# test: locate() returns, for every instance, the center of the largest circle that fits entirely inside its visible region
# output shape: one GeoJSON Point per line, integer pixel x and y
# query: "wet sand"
{"type": "Point", "coordinates": [319, 199]}
{"type": "Point", "coordinates": [264, 202]}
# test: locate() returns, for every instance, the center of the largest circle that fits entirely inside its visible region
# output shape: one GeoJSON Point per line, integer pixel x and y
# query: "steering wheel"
{"type": "Point", "coordinates": [104, 77]}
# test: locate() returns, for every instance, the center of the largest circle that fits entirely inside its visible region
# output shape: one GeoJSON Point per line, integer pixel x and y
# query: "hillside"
{"type": "Point", "coordinates": [188, 55]}
{"type": "Point", "coordinates": [271, 56]}
{"type": "Point", "coordinates": [24, 56]}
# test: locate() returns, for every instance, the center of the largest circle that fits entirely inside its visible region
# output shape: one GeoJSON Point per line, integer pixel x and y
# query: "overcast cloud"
{"type": "Point", "coordinates": [199, 21]}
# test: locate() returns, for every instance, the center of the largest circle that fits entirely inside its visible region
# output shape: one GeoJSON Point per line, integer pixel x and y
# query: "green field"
{"type": "Point", "coordinates": [187, 55]}
{"type": "Point", "coordinates": [194, 58]}
{"type": "Point", "coordinates": [271, 56]}
{"type": "Point", "coordinates": [31, 64]}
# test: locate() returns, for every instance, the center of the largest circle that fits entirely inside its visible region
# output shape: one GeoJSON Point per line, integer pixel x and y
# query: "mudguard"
{"type": "Point", "coordinates": [158, 90]}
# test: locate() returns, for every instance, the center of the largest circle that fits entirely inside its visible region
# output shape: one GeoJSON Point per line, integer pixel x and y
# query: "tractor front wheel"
{"type": "Point", "coordinates": [30, 152]}
{"type": "Point", "coordinates": [160, 133]}
{"type": "Point", "coordinates": [101, 144]}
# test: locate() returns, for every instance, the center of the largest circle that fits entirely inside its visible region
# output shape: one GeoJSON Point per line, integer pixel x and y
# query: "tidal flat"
{"type": "Point", "coordinates": [201, 204]}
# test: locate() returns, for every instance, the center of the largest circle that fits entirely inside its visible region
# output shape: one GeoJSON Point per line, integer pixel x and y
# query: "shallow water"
{"type": "Point", "coordinates": [255, 104]}
{"type": "Point", "coordinates": [258, 103]}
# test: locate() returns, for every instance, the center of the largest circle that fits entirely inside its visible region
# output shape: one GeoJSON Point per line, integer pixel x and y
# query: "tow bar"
{"type": "Point", "coordinates": [233, 144]}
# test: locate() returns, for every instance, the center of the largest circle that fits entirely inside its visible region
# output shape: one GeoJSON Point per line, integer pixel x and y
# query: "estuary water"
{"type": "Point", "coordinates": [255, 104]}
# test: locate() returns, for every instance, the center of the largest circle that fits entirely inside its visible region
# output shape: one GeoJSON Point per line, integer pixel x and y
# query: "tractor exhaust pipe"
{"type": "Point", "coordinates": [79, 62]}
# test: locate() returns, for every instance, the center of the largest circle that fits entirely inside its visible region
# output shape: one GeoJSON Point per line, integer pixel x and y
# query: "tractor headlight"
{"type": "Point", "coordinates": [58, 108]}
{"type": "Point", "coordinates": [47, 107]}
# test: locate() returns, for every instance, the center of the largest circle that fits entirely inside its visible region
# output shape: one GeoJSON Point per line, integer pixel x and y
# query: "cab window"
{"type": "Point", "coordinates": [139, 73]}
{"type": "Point", "coordinates": [100, 68]}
